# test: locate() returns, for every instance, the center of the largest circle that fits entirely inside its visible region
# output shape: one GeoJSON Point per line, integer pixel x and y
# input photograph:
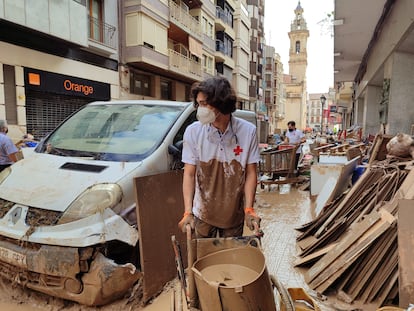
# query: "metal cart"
{"type": "Point", "coordinates": [278, 166]}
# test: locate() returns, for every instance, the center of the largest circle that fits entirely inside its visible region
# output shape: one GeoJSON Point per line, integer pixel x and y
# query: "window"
{"type": "Point", "coordinates": [207, 63]}
{"type": "Point", "coordinates": [96, 20]}
{"type": "Point", "coordinates": [210, 30]}
{"type": "Point", "coordinates": [166, 89]}
{"type": "Point", "coordinates": [207, 27]}
{"type": "Point", "coordinates": [297, 47]}
{"type": "Point", "coordinates": [204, 23]}
{"type": "Point", "coordinates": [228, 13]}
{"type": "Point", "coordinates": [225, 44]}
{"type": "Point", "coordinates": [140, 84]}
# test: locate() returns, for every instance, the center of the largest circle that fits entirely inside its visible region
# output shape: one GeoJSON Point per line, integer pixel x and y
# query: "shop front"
{"type": "Point", "coordinates": [52, 97]}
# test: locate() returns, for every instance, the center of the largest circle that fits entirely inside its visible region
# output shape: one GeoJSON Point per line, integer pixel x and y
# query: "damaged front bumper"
{"type": "Point", "coordinates": [68, 261]}
{"type": "Point", "coordinates": [81, 275]}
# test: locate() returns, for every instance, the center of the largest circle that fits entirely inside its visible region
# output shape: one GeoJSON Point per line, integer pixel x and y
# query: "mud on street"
{"type": "Point", "coordinates": [282, 208]}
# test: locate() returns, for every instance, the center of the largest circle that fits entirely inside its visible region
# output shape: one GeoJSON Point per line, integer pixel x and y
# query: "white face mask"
{"type": "Point", "coordinates": [205, 115]}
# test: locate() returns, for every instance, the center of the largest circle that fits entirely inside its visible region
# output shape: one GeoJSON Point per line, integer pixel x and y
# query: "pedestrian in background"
{"type": "Point", "coordinates": [295, 137]}
{"type": "Point", "coordinates": [220, 155]}
{"type": "Point", "coordinates": [8, 150]}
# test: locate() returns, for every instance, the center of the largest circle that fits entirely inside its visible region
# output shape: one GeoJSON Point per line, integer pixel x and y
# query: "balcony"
{"type": "Point", "coordinates": [184, 65]}
{"type": "Point", "coordinates": [102, 36]}
{"type": "Point", "coordinates": [184, 20]}
{"type": "Point", "coordinates": [221, 47]}
{"type": "Point", "coordinates": [220, 14]}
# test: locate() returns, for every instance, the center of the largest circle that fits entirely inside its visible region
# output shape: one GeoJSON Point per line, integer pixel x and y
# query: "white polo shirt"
{"type": "Point", "coordinates": [220, 161]}
{"type": "Point", "coordinates": [295, 138]}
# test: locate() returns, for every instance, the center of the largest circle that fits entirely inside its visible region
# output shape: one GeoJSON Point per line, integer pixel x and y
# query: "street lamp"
{"type": "Point", "coordinates": [323, 100]}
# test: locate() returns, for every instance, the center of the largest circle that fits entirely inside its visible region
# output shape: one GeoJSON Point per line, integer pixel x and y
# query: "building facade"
{"type": "Point", "coordinates": [279, 95]}
{"type": "Point", "coordinates": [55, 56]}
{"type": "Point", "coordinates": [274, 90]}
{"type": "Point", "coordinates": [256, 10]}
{"type": "Point", "coordinates": [328, 115]}
{"type": "Point", "coordinates": [374, 79]}
{"type": "Point", "coordinates": [241, 52]}
{"type": "Point", "coordinates": [58, 56]}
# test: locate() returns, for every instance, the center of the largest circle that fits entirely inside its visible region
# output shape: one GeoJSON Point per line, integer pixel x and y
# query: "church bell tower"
{"type": "Point", "coordinates": [298, 56]}
{"type": "Point", "coordinates": [296, 89]}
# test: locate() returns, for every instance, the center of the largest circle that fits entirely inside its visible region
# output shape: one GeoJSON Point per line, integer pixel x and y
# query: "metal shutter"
{"type": "Point", "coordinates": [45, 111]}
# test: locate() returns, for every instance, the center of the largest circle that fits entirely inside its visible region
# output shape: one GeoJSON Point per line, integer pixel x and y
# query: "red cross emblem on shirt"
{"type": "Point", "coordinates": [237, 150]}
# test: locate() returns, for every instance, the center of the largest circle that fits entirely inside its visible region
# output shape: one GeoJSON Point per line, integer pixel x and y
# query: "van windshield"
{"type": "Point", "coordinates": [113, 132]}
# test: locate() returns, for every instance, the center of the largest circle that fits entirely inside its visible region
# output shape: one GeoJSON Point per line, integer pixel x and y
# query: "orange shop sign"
{"type": "Point", "coordinates": [71, 86]}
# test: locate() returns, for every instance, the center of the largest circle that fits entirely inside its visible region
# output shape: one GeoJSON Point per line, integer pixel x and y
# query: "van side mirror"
{"type": "Point", "coordinates": [176, 151]}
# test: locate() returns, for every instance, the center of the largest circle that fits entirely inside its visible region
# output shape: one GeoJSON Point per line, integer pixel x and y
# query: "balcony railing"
{"type": "Point", "coordinates": [184, 65]}
{"type": "Point", "coordinates": [221, 14]}
{"type": "Point", "coordinates": [182, 18]}
{"type": "Point", "coordinates": [220, 47]}
{"type": "Point", "coordinates": [102, 32]}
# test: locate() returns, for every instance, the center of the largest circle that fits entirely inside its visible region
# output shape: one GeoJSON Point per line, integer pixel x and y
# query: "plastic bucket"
{"type": "Point", "coordinates": [234, 279]}
{"type": "Point", "coordinates": [358, 171]}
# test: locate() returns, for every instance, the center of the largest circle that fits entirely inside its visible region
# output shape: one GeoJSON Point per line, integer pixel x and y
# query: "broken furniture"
{"type": "Point", "coordinates": [278, 165]}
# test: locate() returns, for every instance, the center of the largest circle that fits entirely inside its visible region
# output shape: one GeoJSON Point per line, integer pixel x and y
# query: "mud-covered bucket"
{"type": "Point", "coordinates": [234, 279]}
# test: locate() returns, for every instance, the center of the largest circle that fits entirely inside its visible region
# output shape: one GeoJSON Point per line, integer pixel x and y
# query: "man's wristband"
{"type": "Point", "coordinates": [187, 214]}
{"type": "Point", "coordinates": [249, 210]}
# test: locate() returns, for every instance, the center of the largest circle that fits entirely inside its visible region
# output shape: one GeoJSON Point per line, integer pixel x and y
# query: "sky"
{"type": "Point", "coordinates": [278, 17]}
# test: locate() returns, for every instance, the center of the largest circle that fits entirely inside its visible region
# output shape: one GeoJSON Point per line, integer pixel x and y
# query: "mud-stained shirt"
{"type": "Point", "coordinates": [220, 160]}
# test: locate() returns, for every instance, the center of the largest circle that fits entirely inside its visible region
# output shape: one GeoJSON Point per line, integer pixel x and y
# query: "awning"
{"type": "Point", "coordinates": [196, 47]}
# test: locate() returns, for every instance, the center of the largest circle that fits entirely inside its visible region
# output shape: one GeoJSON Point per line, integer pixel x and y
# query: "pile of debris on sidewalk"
{"type": "Point", "coordinates": [359, 245]}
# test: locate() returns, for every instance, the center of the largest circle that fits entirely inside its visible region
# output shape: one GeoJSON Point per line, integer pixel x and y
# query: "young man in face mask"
{"type": "Point", "coordinates": [295, 137]}
{"type": "Point", "coordinates": [220, 154]}
{"type": "Point", "coordinates": [8, 151]}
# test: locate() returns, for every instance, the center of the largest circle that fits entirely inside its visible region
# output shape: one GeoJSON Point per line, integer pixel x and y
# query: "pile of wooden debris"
{"type": "Point", "coordinates": [355, 246]}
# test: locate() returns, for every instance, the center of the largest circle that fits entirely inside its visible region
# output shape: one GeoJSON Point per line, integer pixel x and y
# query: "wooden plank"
{"type": "Point", "coordinates": [383, 274]}
{"type": "Point", "coordinates": [314, 256]}
{"type": "Point", "coordinates": [375, 148]}
{"type": "Point", "coordinates": [358, 230]}
{"type": "Point", "coordinates": [366, 179]}
{"type": "Point", "coordinates": [331, 235]}
{"type": "Point", "coordinates": [311, 227]}
{"type": "Point", "coordinates": [366, 271]}
{"type": "Point", "coordinates": [388, 288]}
{"type": "Point", "coordinates": [333, 271]}
{"type": "Point", "coordinates": [160, 207]}
{"type": "Point", "coordinates": [406, 251]}
{"type": "Point", "coordinates": [306, 242]}
{"type": "Point", "coordinates": [352, 243]}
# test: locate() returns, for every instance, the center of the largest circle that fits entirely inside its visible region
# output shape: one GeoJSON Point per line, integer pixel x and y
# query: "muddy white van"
{"type": "Point", "coordinates": [67, 211]}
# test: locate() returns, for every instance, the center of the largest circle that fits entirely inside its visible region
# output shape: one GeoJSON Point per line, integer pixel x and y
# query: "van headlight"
{"type": "Point", "coordinates": [93, 200]}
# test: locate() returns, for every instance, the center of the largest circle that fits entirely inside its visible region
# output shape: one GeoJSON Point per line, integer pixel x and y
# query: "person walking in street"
{"type": "Point", "coordinates": [220, 155]}
{"type": "Point", "coordinates": [8, 150]}
{"type": "Point", "coordinates": [295, 137]}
